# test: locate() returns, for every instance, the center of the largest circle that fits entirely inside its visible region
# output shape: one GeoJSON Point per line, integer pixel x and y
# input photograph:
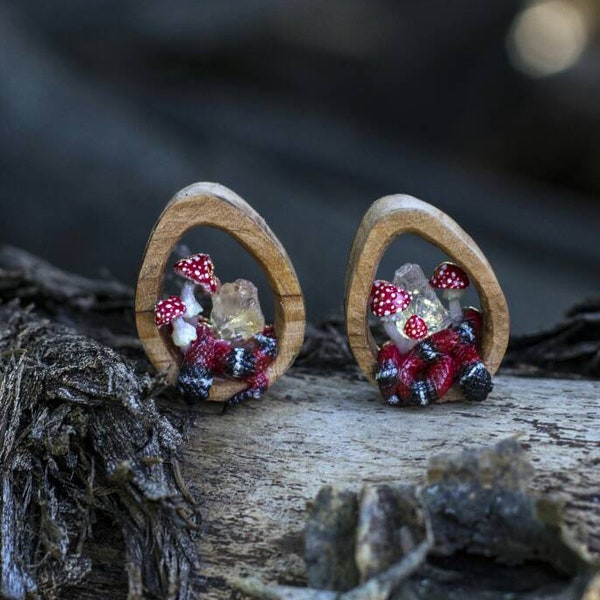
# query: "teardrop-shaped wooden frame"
{"type": "Point", "coordinates": [390, 217]}
{"type": "Point", "coordinates": [213, 205]}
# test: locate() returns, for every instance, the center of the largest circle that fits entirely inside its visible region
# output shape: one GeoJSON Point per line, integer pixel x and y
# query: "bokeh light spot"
{"type": "Point", "coordinates": [548, 37]}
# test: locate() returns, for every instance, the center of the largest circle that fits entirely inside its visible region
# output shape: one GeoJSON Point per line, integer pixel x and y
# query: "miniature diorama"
{"type": "Point", "coordinates": [231, 341]}
{"type": "Point", "coordinates": [430, 348]}
{"type": "Point", "coordinates": [210, 339]}
{"type": "Point", "coordinates": [436, 349]}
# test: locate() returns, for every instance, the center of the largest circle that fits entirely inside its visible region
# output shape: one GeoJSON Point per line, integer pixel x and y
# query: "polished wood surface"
{"type": "Point", "coordinates": [390, 217]}
{"type": "Point", "coordinates": [211, 204]}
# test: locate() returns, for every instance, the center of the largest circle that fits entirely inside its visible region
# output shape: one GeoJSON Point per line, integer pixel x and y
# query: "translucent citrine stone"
{"type": "Point", "coordinates": [236, 312]}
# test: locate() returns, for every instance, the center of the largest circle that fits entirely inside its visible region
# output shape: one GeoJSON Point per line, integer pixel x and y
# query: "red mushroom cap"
{"type": "Point", "coordinates": [415, 328]}
{"type": "Point", "coordinates": [200, 269]}
{"type": "Point", "coordinates": [387, 299]}
{"type": "Point", "coordinates": [167, 310]}
{"type": "Point", "coordinates": [448, 276]}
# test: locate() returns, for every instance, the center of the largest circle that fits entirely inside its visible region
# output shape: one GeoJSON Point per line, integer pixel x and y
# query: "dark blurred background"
{"type": "Point", "coordinates": [311, 110]}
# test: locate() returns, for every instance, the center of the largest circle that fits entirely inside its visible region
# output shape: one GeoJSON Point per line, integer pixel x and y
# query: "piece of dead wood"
{"type": "Point", "coordinates": [570, 348]}
{"type": "Point", "coordinates": [257, 466]}
{"type": "Point", "coordinates": [89, 467]}
{"type": "Point", "coordinates": [81, 442]}
{"type": "Point", "coordinates": [99, 308]}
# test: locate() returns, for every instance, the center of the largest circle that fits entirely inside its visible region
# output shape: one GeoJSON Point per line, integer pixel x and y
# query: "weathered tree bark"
{"type": "Point", "coordinates": [254, 468]}
{"type": "Point", "coordinates": [84, 455]}
{"type": "Point", "coordinates": [571, 347]}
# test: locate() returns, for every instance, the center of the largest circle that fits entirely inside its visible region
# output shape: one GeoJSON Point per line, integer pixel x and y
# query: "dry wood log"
{"type": "Point", "coordinates": [82, 444]}
{"type": "Point", "coordinates": [473, 530]}
{"type": "Point", "coordinates": [89, 470]}
{"type": "Point", "coordinates": [254, 468]}
{"type": "Point", "coordinates": [571, 347]}
{"type": "Point", "coordinates": [257, 466]}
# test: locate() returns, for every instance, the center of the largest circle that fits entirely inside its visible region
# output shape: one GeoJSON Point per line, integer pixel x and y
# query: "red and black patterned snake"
{"type": "Point", "coordinates": [425, 373]}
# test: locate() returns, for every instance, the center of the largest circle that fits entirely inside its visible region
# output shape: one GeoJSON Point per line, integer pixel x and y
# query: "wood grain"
{"type": "Point", "coordinates": [390, 217]}
{"type": "Point", "coordinates": [257, 466]}
{"type": "Point", "coordinates": [211, 204]}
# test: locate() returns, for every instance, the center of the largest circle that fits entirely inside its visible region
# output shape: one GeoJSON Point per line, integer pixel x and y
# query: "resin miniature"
{"type": "Point", "coordinates": [430, 348]}
{"type": "Point", "coordinates": [232, 342]}
{"type": "Point", "coordinates": [199, 272]}
{"type": "Point", "coordinates": [171, 311]}
{"type": "Point", "coordinates": [454, 281]}
{"type": "Point", "coordinates": [434, 343]}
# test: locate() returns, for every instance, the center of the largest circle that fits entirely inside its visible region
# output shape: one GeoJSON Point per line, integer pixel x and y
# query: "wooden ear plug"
{"type": "Point", "coordinates": [433, 354]}
{"type": "Point", "coordinates": [230, 354]}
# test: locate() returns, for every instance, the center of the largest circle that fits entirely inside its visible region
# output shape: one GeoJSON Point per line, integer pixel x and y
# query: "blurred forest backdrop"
{"type": "Point", "coordinates": [311, 110]}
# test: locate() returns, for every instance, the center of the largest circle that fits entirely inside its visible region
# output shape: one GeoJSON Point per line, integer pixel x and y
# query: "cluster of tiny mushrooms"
{"type": "Point", "coordinates": [183, 313]}
{"type": "Point", "coordinates": [388, 302]}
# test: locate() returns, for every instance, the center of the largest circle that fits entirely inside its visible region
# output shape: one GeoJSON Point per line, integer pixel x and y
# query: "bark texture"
{"type": "Point", "coordinates": [88, 465]}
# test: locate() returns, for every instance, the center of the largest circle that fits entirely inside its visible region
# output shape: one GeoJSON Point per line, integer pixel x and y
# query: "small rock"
{"type": "Point", "coordinates": [330, 540]}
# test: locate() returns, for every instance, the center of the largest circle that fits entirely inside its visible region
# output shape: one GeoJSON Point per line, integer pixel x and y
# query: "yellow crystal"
{"type": "Point", "coordinates": [236, 312]}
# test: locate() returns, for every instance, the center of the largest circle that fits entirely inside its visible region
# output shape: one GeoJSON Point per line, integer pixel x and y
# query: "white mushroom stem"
{"type": "Point", "coordinates": [453, 297]}
{"type": "Point", "coordinates": [183, 333]}
{"type": "Point", "coordinates": [189, 299]}
{"type": "Point", "coordinates": [402, 343]}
